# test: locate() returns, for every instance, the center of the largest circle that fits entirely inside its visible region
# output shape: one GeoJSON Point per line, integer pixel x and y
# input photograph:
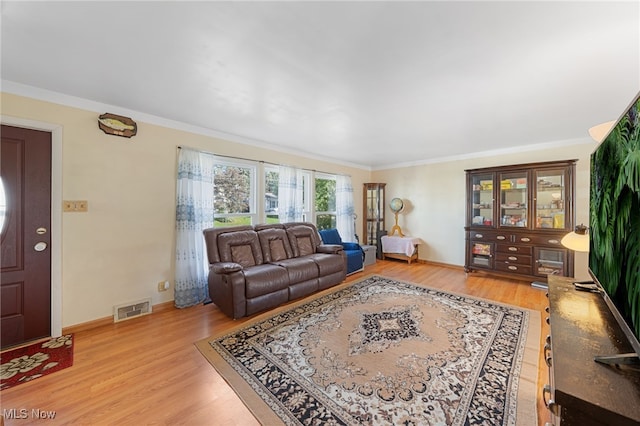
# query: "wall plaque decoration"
{"type": "Point", "coordinates": [117, 125]}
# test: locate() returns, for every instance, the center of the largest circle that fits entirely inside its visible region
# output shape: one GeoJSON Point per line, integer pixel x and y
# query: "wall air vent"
{"type": "Point", "coordinates": [132, 310]}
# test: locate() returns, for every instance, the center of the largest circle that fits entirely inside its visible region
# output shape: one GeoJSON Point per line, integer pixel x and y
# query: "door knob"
{"type": "Point", "coordinates": [40, 246]}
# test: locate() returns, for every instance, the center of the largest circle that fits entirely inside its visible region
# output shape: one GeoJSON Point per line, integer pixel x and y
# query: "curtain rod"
{"type": "Point", "coordinates": [259, 161]}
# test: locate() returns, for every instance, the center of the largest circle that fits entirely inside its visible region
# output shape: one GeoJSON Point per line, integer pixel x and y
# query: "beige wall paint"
{"type": "Point", "coordinates": [124, 245]}
{"type": "Point", "coordinates": [436, 194]}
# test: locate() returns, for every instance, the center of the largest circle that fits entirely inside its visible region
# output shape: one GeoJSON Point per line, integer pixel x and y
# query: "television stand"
{"type": "Point", "coordinates": [582, 391]}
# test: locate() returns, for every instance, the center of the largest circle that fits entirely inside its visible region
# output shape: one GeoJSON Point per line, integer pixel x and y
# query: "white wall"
{"type": "Point", "coordinates": [436, 194]}
{"type": "Point", "coordinates": [124, 246]}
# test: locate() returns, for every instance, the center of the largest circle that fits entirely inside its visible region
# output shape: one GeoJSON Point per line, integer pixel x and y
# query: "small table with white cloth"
{"type": "Point", "coordinates": [404, 248]}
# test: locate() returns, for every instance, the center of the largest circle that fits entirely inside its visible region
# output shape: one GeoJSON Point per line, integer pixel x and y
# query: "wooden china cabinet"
{"type": "Point", "coordinates": [516, 217]}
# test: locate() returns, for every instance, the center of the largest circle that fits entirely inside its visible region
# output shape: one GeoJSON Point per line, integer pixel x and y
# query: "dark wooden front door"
{"type": "Point", "coordinates": [25, 261]}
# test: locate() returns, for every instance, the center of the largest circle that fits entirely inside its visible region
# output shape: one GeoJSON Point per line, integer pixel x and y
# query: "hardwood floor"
{"type": "Point", "coordinates": [147, 370]}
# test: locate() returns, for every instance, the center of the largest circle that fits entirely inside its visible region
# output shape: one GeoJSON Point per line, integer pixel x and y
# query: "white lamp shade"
{"type": "Point", "coordinates": [576, 242]}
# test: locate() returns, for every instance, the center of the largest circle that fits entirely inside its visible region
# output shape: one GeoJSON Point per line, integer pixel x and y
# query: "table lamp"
{"type": "Point", "coordinates": [578, 240]}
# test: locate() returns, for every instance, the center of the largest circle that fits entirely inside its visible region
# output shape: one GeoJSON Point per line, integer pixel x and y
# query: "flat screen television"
{"type": "Point", "coordinates": [614, 222]}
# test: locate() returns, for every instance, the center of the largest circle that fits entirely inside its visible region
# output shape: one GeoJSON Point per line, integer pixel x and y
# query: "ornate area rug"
{"type": "Point", "coordinates": [385, 352]}
{"type": "Point", "coordinates": [34, 361]}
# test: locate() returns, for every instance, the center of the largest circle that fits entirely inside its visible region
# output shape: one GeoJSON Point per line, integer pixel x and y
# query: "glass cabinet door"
{"type": "Point", "coordinates": [550, 203]}
{"type": "Point", "coordinates": [513, 199]}
{"type": "Point", "coordinates": [482, 200]}
{"type": "Point", "coordinates": [373, 212]}
{"type": "Point", "coordinates": [482, 254]}
{"type": "Point", "coordinates": [550, 261]}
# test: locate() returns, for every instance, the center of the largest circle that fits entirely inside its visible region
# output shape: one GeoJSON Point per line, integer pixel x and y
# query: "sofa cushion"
{"type": "Point", "coordinates": [243, 255]}
{"type": "Point", "coordinates": [241, 247]}
{"type": "Point", "coordinates": [277, 250]}
{"type": "Point", "coordinates": [265, 279]}
{"type": "Point", "coordinates": [329, 263]}
{"type": "Point", "coordinates": [304, 239]}
{"type": "Point", "coordinates": [275, 244]}
{"type": "Point", "coordinates": [300, 268]}
{"type": "Point", "coordinates": [305, 246]}
{"type": "Point", "coordinates": [211, 239]}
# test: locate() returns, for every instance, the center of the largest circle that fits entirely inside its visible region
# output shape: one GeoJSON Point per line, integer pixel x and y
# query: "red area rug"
{"type": "Point", "coordinates": [27, 363]}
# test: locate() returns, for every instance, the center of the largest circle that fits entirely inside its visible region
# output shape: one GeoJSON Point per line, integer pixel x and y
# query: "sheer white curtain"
{"type": "Point", "coordinates": [290, 194]}
{"type": "Point", "coordinates": [194, 212]}
{"type": "Point", "coordinates": [344, 209]}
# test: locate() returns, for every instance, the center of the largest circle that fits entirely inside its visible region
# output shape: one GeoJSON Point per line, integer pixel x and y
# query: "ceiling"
{"type": "Point", "coordinates": [371, 84]}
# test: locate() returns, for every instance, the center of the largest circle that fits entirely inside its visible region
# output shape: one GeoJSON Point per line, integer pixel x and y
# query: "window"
{"type": "Point", "coordinates": [271, 206]}
{"type": "Point", "coordinates": [246, 193]}
{"type": "Point", "coordinates": [234, 191]}
{"type": "Point", "coordinates": [325, 201]}
{"type": "Point", "coordinates": [271, 194]}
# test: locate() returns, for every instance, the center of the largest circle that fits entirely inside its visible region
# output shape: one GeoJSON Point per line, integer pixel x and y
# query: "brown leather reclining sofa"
{"type": "Point", "coordinates": [252, 269]}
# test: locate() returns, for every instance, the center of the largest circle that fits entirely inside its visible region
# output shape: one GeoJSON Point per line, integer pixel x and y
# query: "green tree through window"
{"type": "Point", "coordinates": [232, 189]}
{"type": "Point", "coordinates": [325, 203]}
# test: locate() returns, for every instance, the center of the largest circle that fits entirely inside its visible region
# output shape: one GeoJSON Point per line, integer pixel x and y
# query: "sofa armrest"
{"type": "Point", "coordinates": [226, 267]}
{"type": "Point", "coordinates": [351, 246]}
{"type": "Point", "coordinates": [329, 248]}
{"type": "Point", "coordinates": [227, 288]}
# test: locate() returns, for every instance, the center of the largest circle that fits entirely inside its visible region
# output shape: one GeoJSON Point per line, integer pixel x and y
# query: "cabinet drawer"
{"type": "Point", "coordinates": [510, 267]}
{"type": "Point", "coordinates": [514, 248]}
{"type": "Point", "coordinates": [489, 235]}
{"type": "Point", "coordinates": [517, 259]}
{"type": "Point", "coordinates": [481, 261]}
{"type": "Point", "coordinates": [532, 239]}
{"type": "Point", "coordinates": [525, 239]}
{"type": "Point", "coordinates": [546, 240]}
{"type": "Point", "coordinates": [482, 235]}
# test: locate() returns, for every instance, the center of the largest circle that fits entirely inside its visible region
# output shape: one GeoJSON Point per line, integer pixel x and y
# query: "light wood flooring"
{"type": "Point", "coordinates": [147, 371]}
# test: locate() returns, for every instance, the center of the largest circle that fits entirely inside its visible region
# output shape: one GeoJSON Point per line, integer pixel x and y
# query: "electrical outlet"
{"type": "Point", "coordinates": [163, 286]}
{"type": "Point", "coordinates": [75, 205]}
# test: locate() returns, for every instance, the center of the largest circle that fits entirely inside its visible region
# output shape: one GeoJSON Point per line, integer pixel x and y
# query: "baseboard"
{"type": "Point", "coordinates": [162, 307]}
{"type": "Point", "coordinates": [431, 262]}
{"type": "Point", "coordinates": [444, 265]}
{"type": "Point", "coordinates": [89, 325]}
{"type": "Point", "coordinates": [101, 322]}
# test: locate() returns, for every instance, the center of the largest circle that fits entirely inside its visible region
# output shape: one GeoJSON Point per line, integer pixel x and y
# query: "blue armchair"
{"type": "Point", "coordinates": [355, 254]}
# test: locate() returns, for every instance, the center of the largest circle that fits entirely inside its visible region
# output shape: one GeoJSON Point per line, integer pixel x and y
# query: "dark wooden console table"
{"type": "Point", "coordinates": [582, 391]}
